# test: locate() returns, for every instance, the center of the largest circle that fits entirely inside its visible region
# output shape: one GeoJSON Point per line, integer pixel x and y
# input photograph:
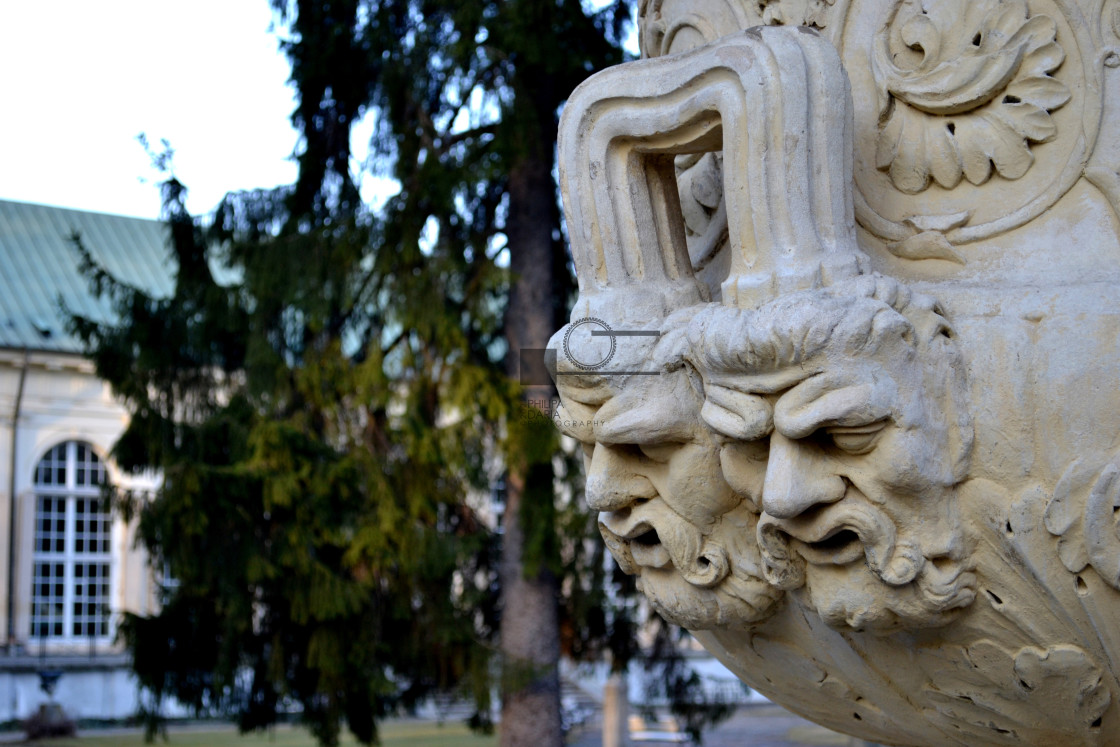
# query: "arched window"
{"type": "Point", "coordinates": [71, 563]}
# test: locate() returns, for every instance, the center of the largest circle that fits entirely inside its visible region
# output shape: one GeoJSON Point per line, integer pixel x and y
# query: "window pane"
{"type": "Point", "coordinates": [50, 524]}
{"type": "Point", "coordinates": [51, 469]}
{"type": "Point", "coordinates": [80, 476]}
{"type": "Point", "coordinates": [89, 470]}
{"type": "Point", "coordinates": [91, 527]}
{"type": "Point", "coordinates": [46, 598]}
{"type": "Point", "coordinates": [91, 599]}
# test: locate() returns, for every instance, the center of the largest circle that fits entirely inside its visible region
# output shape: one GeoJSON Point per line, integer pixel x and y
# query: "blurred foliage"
{"type": "Point", "coordinates": [670, 680]}
{"type": "Point", "coordinates": [318, 448]}
{"type": "Point", "coordinates": [323, 391]}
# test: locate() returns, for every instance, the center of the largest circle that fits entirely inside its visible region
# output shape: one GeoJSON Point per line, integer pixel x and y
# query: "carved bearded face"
{"type": "Point", "coordinates": [665, 511]}
{"type": "Point", "coordinates": [843, 421]}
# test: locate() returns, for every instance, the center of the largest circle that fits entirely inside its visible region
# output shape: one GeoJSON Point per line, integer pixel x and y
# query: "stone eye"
{"type": "Point", "coordinates": [858, 439]}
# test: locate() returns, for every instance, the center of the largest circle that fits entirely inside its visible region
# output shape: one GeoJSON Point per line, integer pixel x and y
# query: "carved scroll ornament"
{"type": "Point", "coordinates": [977, 95]}
{"type": "Point", "coordinates": [793, 457]}
{"type": "Point", "coordinates": [973, 117]}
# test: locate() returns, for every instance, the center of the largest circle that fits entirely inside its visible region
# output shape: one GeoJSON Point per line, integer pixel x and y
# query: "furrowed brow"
{"type": "Point", "coordinates": [805, 408]}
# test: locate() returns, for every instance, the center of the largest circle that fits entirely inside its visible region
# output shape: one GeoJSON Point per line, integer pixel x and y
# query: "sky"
{"type": "Point", "coordinates": [80, 79]}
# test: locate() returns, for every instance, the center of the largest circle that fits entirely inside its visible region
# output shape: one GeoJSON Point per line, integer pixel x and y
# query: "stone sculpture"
{"type": "Point", "coordinates": [845, 361]}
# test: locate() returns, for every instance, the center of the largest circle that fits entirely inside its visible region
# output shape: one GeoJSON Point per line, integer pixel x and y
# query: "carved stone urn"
{"type": "Point", "coordinates": [845, 361]}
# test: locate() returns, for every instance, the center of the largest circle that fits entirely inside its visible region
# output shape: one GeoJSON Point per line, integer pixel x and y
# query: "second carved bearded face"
{"type": "Point", "coordinates": [842, 419]}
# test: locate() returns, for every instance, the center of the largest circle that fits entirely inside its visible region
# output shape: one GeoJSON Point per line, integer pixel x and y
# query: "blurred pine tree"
{"type": "Point", "coordinates": [324, 405]}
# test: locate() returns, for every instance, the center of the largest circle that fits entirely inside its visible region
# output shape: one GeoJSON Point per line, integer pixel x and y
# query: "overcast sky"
{"type": "Point", "coordinates": [80, 79]}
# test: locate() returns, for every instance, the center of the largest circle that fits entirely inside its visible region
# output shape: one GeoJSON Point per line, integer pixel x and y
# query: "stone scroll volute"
{"type": "Point", "coordinates": [870, 459]}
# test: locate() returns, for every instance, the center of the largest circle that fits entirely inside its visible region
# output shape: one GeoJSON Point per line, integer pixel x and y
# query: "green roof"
{"type": "Point", "coordinates": [39, 269]}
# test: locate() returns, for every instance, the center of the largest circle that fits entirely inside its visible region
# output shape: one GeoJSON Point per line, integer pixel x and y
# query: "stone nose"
{"type": "Point", "coordinates": [612, 484]}
{"type": "Point", "coordinates": [798, 477]}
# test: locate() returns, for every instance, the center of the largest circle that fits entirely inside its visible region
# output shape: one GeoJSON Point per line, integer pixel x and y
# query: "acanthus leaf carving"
{"type": "Point", "coordinates": [1102, 538]}
{"type": "Point", "coordinates": [1084, 519]}
{"type": "Point", "coordinates": [1020, 697]}
{"type": "Point", "coordinates": [965, 88]}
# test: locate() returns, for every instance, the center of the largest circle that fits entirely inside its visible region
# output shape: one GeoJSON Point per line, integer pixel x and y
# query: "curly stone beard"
{"type": "Point", "coordinates": [888, 582]}
{"type": "Point", "coordinates": [701, 581]}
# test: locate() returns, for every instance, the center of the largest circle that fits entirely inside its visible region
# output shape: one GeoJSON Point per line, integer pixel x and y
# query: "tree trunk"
{"type": "Point", "coordinates": [530, 637]}
{"type": "Point", "coordinates": [530, 642]}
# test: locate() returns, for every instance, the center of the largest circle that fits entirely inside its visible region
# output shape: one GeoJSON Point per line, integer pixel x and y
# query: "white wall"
{"type": "Point", "coordinates": [97, 694]}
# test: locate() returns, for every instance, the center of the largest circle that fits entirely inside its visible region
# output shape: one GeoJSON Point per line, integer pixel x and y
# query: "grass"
{"type": "Point", "coordinates": [393, 734]}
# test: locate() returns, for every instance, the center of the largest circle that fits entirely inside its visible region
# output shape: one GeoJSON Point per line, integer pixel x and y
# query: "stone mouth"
{"type": "Point", "coordinates": [648, 551]}
{"type": "Point", "coordinates": [841, 546]}
{"type": "Point", "coordinates": [640, 538]}
{"type": "Point", "coordinates": [649, 534]}
{"type": "Point", "coordinates": [839, 533]}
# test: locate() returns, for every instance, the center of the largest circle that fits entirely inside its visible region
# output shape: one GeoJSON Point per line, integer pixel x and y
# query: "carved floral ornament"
{"type": "Point", "coordinates": [965, 89]}
{"type": "Point", "coordinates": [975, 116]}
{"type": "Point", "coordinates": [790, 456]}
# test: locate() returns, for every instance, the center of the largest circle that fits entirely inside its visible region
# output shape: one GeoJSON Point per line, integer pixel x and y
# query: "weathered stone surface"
{"type": "Point", "coordinates": [852, 411]}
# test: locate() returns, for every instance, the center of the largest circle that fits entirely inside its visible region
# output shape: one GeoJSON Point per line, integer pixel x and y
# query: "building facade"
{"type": "Point", "coordinates": [69, 568]}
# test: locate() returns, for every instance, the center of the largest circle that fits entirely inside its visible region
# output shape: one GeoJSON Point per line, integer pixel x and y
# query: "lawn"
{"type": "Point", "coordinates": [393, 734]}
